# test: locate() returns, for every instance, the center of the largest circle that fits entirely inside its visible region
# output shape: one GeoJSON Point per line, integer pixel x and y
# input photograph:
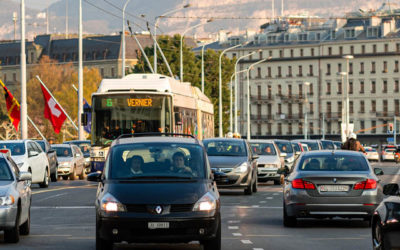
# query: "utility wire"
{"type": "Point", "coordinates": [118, 8]}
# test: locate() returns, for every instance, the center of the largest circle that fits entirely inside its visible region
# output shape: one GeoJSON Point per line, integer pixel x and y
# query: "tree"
{"type": "Point", "coordinates": [192, 72]}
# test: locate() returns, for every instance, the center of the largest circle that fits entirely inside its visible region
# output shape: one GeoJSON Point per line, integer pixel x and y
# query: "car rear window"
{"type": "Point", "coordinates": [263, 148]}
{"type": "Point", "coordinates": [333, 163]}
{"type": "Point", "coordinates": [327, 145]}
{"type": "Point", "coordinates": [162, 160]}
{"type": "Point", "coordinates": [284, 147]}
{"type": "Point", "coordinates": [225, 148]}
{"type": "Point", "coordinates": [312, 145]}
{"type": "Point", "coordinates": [63, 151]}
{"type": "Point", "coordinates": [296, 147]}
{"type": "Point", "coordinates": [370, 150]}
{"type": "Point", "coordinates": [5, 173]}
{"type": "Point", "coordinates": [16, 148]}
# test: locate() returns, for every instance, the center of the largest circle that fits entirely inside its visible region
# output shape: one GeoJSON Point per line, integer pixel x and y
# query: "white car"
{"type": "Point", "coordinates": [388, 154]}
{"type": "Point", "coordinates": [29, 157]}
{"type": "Point", "coordinates": [269, 160]}
{"type": "Point", "coordinates": [371, 154]}
{"type": "Point", "coordinates": [70, 161]}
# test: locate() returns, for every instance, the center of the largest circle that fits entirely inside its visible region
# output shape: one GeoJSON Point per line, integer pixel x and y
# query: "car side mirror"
{"type": "Point", "coordinates": [24, 176]}
{"type": "Point", "coordinates": [378, 171]}
{"type": "Point", "coordinates": [32, 153]}
{"type": "Point", "coordinates": [96, 177]}
{"type": "Point", "coordinates": [391, 189]}
{"type": "Point", "coordinates": [283, 154]}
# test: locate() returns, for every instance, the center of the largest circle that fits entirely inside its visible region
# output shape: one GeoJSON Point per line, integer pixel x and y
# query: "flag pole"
{"type": "Point", "coordinates": [37, 129]}
{"type": "Point", "coordinates": [66, 114]}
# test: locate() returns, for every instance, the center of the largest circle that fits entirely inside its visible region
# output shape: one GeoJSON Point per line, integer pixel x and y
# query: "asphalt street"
{"type": "Point", "coordinates": [63, 217]}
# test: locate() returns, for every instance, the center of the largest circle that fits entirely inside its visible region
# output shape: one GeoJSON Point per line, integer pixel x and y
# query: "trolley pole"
{"type": "Point", "coordinates": [394, 130]}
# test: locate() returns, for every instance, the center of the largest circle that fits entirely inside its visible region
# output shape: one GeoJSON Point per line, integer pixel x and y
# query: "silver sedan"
{"type": "Point", "coordinates": [15, 200]}
{"type": "Point", "coordinates": [326, 184]}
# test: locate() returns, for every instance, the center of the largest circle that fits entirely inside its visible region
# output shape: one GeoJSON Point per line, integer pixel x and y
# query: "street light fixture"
{"type": "Point", "coordinates": [348, 58]}
{"type": "Point", "coordinates": [305, 115]}
{"type": "Point", "coordinates": [123, 38]}
{"type": "Point", "coordinates": [248, 94]}
{"type": "Point", "coordinates": [236, 91]}
{"type": "Point", "coordinates": [181, 48]}
{"type": "Point", "coordinates": [155, 31]}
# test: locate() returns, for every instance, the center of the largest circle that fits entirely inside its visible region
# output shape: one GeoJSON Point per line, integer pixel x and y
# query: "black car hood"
{"type": "Point", "coordinates": [160, 192]}
{"type": "Point", "coordinates": [226, 161]}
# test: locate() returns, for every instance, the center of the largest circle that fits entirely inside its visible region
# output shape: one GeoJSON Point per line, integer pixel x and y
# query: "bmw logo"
{"type": "Point", "coordinates": [158, 209]}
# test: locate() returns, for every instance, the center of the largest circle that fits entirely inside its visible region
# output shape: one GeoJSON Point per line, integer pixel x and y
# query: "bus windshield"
{"type": "Point", "coordinates": [116, 114]}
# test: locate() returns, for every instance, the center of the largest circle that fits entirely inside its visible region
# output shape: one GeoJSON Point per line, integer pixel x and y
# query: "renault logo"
{"type": "Point", "coordinates": [158, 209]}
{"type": "Point", "coordinates": [334, 180]}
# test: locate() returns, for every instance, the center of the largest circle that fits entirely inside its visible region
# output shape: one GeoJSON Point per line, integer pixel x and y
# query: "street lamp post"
{"type": "Point", "coordinates": [80, 75]}
{"type": "Point", "coordinates": [306, 108]}
{"type": "Point", "coordinates": [155, 31]}
{"type": "Point", "coordinates": [343, 135]}
{"type": "Point", "coordinates": [220, 87]}
{"type": "Point", "coordinates": [347, 57]}
{"type": "Point", "coordinates": [236, 91]}
{"type": "Point", "coordinates": [24, 107]}
{"type": "Point", "coordinates": [202, 68]}
{"type": "Point", "coordinates": [123, 38]}
{"type": "Point", "coordinates": [248, 94]}
{"type": "Point", "coordinates": [231, 108]}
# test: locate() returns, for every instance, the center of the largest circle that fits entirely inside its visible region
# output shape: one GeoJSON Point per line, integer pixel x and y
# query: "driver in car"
{"type": "Point", "coordinates": [178, 164]}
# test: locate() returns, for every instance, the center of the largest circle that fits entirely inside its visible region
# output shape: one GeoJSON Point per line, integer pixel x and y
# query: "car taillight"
{"type": "Point", "coordinates": [368, 184]}
{"type": "Point", "coordinates": [302, 184]}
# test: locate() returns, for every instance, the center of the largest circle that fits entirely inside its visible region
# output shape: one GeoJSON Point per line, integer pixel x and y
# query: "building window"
{"type": "Point", "coordinates": [301, 90]}
{"type": "Point", "coordinates": [373, 124]}
{"type": "Point", "coordinates": [361, 68]}
{"type": "Point", "coordinates": [328, 69]}
{"type": "Point", "coordinates": [373, 106]}
{"type": "Point", "coordinates": [351, 50]}
{"type": "Point", "coordinates": [350, 87]}
{"type": "Point", "coordinates": [361, 87]}
{"type": "Point", "coordinates": [102, 72]}
{"type": "Point", "coordinates": [374, 48]}
{"type": "Point", "coordinates": [258, 129]}
{"type": "Point", "coordinates": [14, 77]}
{"type": "Point", "coordinates": [312, 51]}
{"type": "Point", "coordinates": [301, 52]}
{"type": "Point", "coordinates": [385, 106]}
{"type": "Point", "coordinates": [269, 91]}
{"type": "Point", "coordinates": [261, 55]}
{"type": "Point", "coordinates": [373, 87]}
{"type": "Point", "coordinates": [269, 71]}
{"type": "Point", "coordinates": [290, 129]}
{"type": "Point", "coordinates": [279, 90]}
{"type": "Point", "coordinates": [384, 90]}
{"type": "Point", "coordinates": [328, 108]}
{"type": "Point", "coordinates": [396, 66]}
{"type": "Point", "coordinates": [311, 71]}
{"type": "Point", "coordinates": [112, 72]}
{"type": "Point", "coordinates": [300, 71]}
{"type": "Point", "coordinates": [362, 49]}
{"type": "Point", "coordinates": [279, 72]}
{"type": "Point", "coordinates": [318, 36]}
{"type": "Point", "coordinates": [339, 106]}
{"type": "Point", "coordinates": [270, 53]}
{"type": "Point", "coordinates": [386, 47]}
{"type": "Point", "coordinates": [328, 88]}
{"type": "Point", "coordinates": [311, 128]}
{"type": "Point", "coordinates": [339, 92]}
{"type": "Point", "coordinates": [396, 86]}
{"type": "Point", "coordinates": [291, 53]}
{"type": "Point", "coordinates": [290, 71]}
{"type": "Point", "coordinates": [311, 89]}
{"type": "Point", "coordinates": [362, 107]}
{"type": "Point", "coordinates": [397, 47]}
{"type": "Point", "coordinates": [385, 69]}
{"type": "Point", "coordinates": [362, 126]}
{"type": "Point", "coordinates": [279, 129]}
{"type": "Point", "coordinates": [373, 68]}
{"type": "Point", "coordinates": [300, 129]}
{"type": "Point", "coordinates": [280, 53]}
{"type": "Point", "coordinates": [350, 68]}
{"type": "Point", "coordinates": [351, 107]}
{"type": "Point", "coordinates": [258, 72]}
{"type": "Point", "coordinates": [269, 128]}
{"type": "Point", "coordinates": [340, 50]}
{"type": "Point", "coordinates": [329, 51]}
{"type": "Point", "coordinates": [311, 109]}
{"type": "Point", "coordinates": [339, 66]}
{"type": "Point", "coordinates": [300, 110]}
{"type": "Point", "coordinates": [396, 107]}
{"type": "Point", "coordinates": [290, 91]}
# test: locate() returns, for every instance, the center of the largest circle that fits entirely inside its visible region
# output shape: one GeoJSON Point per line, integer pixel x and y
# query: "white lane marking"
{"type": "Point", "coordinates": [233, 227]}
{"type": "Point", "coordinates": [255, 206]}
{"type": "Point", "coordinates": [246, 242]}
{"type": "Point", "coordinates": [62, 207]}
{"type": "Point", "coordinates": [50, 197]}
{"type": "Point", "coordinates": [263, 202]}
{"type": "Point", "coordinates": [275, 194]}
{"type": "Point", "coordinates": [236, 234]}
{"type": "Point", "coordinates": [63, 188]}
{"type": "Point", "coordinates": [247, 207]}
{"type": "Point", "coordinates": [258, 248]}
{"type": "Point", "coordinates": [397, 176]}
{"type": "Point", "coordinates": [233, 221]}
{"type": "Point", "coordinates": [269, 198]}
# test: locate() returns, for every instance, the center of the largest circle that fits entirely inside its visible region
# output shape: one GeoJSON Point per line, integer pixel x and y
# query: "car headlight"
{"type": "Point", "coordinates": [64, 164]}
{"type": "Point", "coordinates": [206, 203]}
{"type": "Point", "coordinates": [271, 165]}
{"type": "Point", "coordinates": [242, 168]}
{"type": "Point", "coordinates": [110, 204]}
{"type": "Point", "coordinates": [7, 200]}
{"type": "Point", "coordinates": [20, 164]}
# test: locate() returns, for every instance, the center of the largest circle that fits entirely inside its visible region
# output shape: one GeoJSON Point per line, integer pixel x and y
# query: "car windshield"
{"type": "Point", "coordinates": [327, 145]}
{"type": "Point", "coordinates": [263, 148]}
{"type": "Point", "coordinates": [63, 151]}
{"type": "Point", "coordinates": [284, 147]}
{"type": "Point", "coordinates": [83, 145]}
{"type": "Point", "coordinates": [16, 148]}
{"type": "Point", "coordinates": [5, 173]}
{"type": "Point", "coordinates": [333, 163]}
{"type": "Point", "coordinates": [41, 144]}
{"type": "Point", "coordinates": [225, 148]}
{"type": "Point", "coordinates": [312, 145]}
{"type": "Point", "coordinates": [157, 160]}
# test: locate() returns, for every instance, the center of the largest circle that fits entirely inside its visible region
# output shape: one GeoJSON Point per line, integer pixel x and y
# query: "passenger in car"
{"type": "Point", "coordinates": [136, 164]}
{"type": "Point", "coordinates": [313, 165]}
{"type": "Point", "coordinates": [178, 164]}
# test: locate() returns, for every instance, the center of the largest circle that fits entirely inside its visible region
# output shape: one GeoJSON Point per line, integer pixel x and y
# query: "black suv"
{"type": "Point", "coordinates": [157, 189]}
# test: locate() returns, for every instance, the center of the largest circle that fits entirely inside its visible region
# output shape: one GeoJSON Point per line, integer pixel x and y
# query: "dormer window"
{"type": "Point", "coordinates": [302, 37]}
{"type": "Point", "coordinates": [318, 36]}
{"type": "Point", "coordinates": [372, 31]}
{"type": "Point", "coordinates": [287, 38]}
{"type": "Point", "coordinates": [350, 33]}
{"type": "Point", "coordinates": [333, 34]}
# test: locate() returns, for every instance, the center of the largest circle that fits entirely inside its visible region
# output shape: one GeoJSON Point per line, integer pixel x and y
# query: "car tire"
{"type": "Point", "coordinates": [368, 220]}
{"type": "Point", "coordinates": [24, 229]}
{"type": "Point", "coordinates": [248, 190]}
{"type": "Point", "coordinates": [65, 177]}
{"type": "Point", "coordinates": [215, 243]}
{"type": "Point", "coordinates": [73, 174]}
{"type": "Point", "coordinates": [288, 221]}
{"type": "Point", "coordinates": [277, 182]}
{"type": "Point", "coordinates": [54, 177]}
{"type": "Point", "coordinates": [255, 188]}
{"type": "Point", "coordinates": [12, 235]}
{"type": "Point", "coordinates": [378, 240]}
{"type": "Point", "coordinates": [45, 182]}
{"type": "Point", "coordinates": [82, 176]}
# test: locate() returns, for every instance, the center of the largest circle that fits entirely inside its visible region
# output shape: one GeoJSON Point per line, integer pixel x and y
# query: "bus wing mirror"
{"type": "Point", "coordinates": [178, 117]}
{"type": "Point", "coordinates": [84, 119]}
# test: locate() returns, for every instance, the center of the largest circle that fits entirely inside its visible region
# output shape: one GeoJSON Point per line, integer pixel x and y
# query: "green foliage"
{"type": "Point", "coordinates": [192, 72]}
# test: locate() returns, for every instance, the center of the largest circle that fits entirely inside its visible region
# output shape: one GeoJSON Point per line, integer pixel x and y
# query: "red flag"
{"type": "Point", "coordinates": [13, 109]}
{"type": "Point", "coordinates": [52, 111]}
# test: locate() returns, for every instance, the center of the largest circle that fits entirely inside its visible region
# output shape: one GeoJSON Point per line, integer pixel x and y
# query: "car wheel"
{"type": "Point", "coordinates": [368, 220]}
{"type": "Point", "coordinates": [45, 182]}
{"type": "Point", "coordinates": [12, 235]}
{"type": "Point", "coordinates": [288, 221]}
{"type": "Point", "coordinates": [82, 176]}
{"type": "Point", "coordinates": [54, 177]}
{"type": "Point", "coordinates": [25, 228]}
{"type": "Point", "coordinates": [379, 242]}
{"type": "Point", "coordinates": [255, 189]}
{"type": "Point", "coordinates": [73, 174]}
{"type": "Point", "coordinates": [277, 182]}
{"type": "Point", "coordinates": [102, 244]}
{"type": "Point", "coordinates": [248, 190]}
{"type": "Point", "coordinates": [215, 243]}
{"type": "Point", "coordinates": [65, 177]}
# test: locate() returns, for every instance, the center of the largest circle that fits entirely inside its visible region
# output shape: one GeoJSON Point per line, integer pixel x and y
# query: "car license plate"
{"type": "Point", "coordinates": [158, 225]}
{"type": "Point", "coordinates": [333, 188]}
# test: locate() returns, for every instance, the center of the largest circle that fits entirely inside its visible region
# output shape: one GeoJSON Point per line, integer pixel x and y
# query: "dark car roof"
{"type": "Point", "coordinates": [150, 139]}
{"type": "Point", "coordinates": [335, 152]}
{"type": "Point", "coordinates": [77, 141]}
{"type": "Point", "coordinates": [223, 139]}
{"type": "Point", "coordinates": [61, 145]}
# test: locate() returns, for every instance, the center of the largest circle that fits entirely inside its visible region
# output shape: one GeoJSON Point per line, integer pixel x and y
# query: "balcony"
{"type": "Point", "coordinates": [283, 116]}
{"type": "Point", "coordinates": [291, 98]}
{"type": "Point", "coordinates": [266, 118]}
{"type": "Point", "coordinates": [259, 99]}
{"type": "Point", "coordinates": [333, 116]}
{"type": "Point", "coordinates": [386, 114]}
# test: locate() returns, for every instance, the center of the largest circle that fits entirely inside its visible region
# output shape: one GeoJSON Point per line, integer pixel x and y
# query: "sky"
{"type": "Point", "coordinates": [38, 4]}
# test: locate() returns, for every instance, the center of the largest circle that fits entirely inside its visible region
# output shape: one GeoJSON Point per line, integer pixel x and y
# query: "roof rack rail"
{"type": "Point", "coordinates": [155, 134]}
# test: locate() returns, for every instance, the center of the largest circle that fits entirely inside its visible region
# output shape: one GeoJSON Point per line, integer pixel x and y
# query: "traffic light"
{"type": "Point", "coordinates": [391, 127]}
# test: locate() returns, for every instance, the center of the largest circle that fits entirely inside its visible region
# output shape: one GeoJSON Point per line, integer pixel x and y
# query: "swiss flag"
{"type": "Point", "coordinates": [52, 111]}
